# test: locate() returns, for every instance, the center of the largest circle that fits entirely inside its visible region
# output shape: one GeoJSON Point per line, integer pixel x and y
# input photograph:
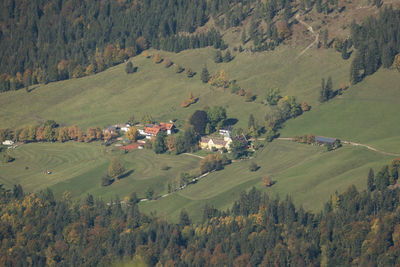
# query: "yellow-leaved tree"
{"type": "Point", "coordinates": [132, 133]}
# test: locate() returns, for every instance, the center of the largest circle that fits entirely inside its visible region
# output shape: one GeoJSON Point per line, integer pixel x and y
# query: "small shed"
{"type": "Point", "coordinates": [325, 140]}
{"type": "Point", "coordinates": [8, 142]}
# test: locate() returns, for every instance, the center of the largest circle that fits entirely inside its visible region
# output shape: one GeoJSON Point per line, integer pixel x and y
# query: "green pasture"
{"type": "Point", "coordinates": [309, 174]}
{"type": "Point", "coordinates": [78, 168]}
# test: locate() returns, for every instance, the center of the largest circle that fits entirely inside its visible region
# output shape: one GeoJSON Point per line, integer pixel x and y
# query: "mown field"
{"type": "Point", "coordinates": [309, 174]}
{"type": "Point", "coordinates": [113, 96]}
{"type": "Point", "coordinates": [365, 113]}
{"type": "Point", "coordinates": [78, 168]}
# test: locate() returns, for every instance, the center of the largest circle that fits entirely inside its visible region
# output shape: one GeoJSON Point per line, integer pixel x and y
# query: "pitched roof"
{"type": "Point", "coordinates": [220, 142]}
{"type": "Point", "coordinates": [204, 139]}
{"type": "Point", "coordinates": [166, 126]}
{"type": "Point", "coordinates": [323, 139]}
{"type": "Point", "coordinates": [152, 129]}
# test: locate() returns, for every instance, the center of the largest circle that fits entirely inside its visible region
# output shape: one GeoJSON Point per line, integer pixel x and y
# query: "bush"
{"type": "Point", "coordinates": [157, 58]}
{"type": "Point", "coordinates": [106, 180]}
{"type": "Point", "coordinates": [179, 69]}
{"type": "Point", "coordinates": [253, 167]}
{"type": "Point", "coordinates": [267, 181]}
{"type": "Point", "coordinates": [7, 158]}
{"type": "Point", "coordinates": [189, 73]}
{"type": "Point", "coordinates": [167, 62]}
{"type": "Point", "coordinates": [165, 167]}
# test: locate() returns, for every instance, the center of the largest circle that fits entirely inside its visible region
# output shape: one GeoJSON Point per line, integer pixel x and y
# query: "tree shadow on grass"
{"type": "Point", "coordinates": [125, 174]}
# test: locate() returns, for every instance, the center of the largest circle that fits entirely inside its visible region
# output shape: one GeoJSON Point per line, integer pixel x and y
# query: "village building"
{"type": "Point", "coordinates": [321, 140]}
{"type": "Point", "coordinates": [8, 142]}
{"type": "Point", "coordinates": [218, 143]}
{"type": "Point", "coordinates": [151, 130]}
{"type": "Point", "coordinates": [226, 131]}
{"type": "Point", "coordinates": [125, 127]}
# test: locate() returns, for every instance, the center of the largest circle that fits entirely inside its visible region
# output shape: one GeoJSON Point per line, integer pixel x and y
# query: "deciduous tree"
{"type": "Point", "coordinates": [132, 133]}
{"type": "Point", "coordinates": [115, 169]}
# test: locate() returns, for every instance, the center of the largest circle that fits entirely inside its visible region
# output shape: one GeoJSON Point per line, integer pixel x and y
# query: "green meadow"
{"type": "Point", "coordinates": [365, 113]}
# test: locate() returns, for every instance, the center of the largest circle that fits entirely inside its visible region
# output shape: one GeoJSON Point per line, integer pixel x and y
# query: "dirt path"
{"type": "Point", "coordinates": [371, 148]}
{"type": "Point", "coordinates": [193, 155]}
{"type": "Point", "coordinates": [310, 29]}
{"type": "Point", "coordinates": [354, 144]}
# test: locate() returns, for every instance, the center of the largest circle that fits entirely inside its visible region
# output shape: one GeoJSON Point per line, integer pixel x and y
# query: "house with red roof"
{"type": "Point", "coordinates": [153, 129]}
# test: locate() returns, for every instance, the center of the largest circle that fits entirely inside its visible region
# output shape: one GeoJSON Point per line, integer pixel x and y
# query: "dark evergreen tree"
{"type": "Point", "coordinates": [227, 56]}
{"type": "Point", "coordinates": [218, 57]}
{"type": "Point", "coordinates": [199, 121]}
{"type": "Point", "coordinates": [159, 145]}
{"type": "Point", "coordinates": [371, 180]}
{"type": "Point", "coordinates": [205, 76]}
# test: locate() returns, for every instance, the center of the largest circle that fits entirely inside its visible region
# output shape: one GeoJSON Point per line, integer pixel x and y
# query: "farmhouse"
{"type": "Point", "coordinates": [8, 142]}
{"type": "Point", "coordinates": [226, 131]}
{"type": "Point", "coordinates": [219, 143]}
{"type": "Point", "coordinates": [321, 140]}
{"type": "Point", "coordinates": [153, 129]}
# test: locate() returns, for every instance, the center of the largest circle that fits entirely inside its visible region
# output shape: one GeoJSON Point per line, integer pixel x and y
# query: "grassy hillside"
{"type": "Point", "coordinates": [78, 168]}
{"type": "Point", "coordinates": [307, 173]}
{"type": "Point", "coordinates": [112, 96]}
{"type": "Point", "coordinates": [366, 113]}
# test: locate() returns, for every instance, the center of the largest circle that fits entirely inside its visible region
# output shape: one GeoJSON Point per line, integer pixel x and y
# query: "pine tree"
{"type": "Point", "coordinates": [227, 56]}
{"type": "Point", "coordinates": [159, 144]}
{"type": "Point", "coordinates": [322, 91]}
{"type": "Point", "coordinates": [244, 37]}
{"type": "Point", "coordinates": [251, 122]}
{"type": "Point", "coordinates": [205, 76]}
{"type": "Point", "coordinates": [329, 89]}
{"type": "Point", "coordinates": [371, 180]}
{"type": "Point", "coordinates": [218, 57]}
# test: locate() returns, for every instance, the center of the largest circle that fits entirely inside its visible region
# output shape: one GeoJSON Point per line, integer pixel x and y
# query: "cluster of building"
{"type": "Point", "coordinates": [149, 130]}
{"type": "Point", "coordinates": [223, 141]}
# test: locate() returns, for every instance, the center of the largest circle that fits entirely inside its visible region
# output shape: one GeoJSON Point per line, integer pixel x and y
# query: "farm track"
{"type": "Point", "coordinates": [354, 144]}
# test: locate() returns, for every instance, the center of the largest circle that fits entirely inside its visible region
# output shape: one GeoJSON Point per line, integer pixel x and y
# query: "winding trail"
{"type": "Point", "coordinates": [310, 29]}
{"type": "Point", "coordinates": [353, 144]}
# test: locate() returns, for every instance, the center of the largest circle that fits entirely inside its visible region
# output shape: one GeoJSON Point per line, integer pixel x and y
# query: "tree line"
{"type": "Point", "coordinates": [376, 41]}
{"type": "Point", "coordinates": [37, 229]}
{"type": "Point", "coordinates": [43, 41]}
{"type": "Point", "coordinates": [50, 131]}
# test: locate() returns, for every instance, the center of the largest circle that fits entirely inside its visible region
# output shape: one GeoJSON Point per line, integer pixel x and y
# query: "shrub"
{"type": "Point", "coordinates": [7, 158]}
{"type": "Point", "coordinates": [267, 181]}
{"type": "Point", "coordinates": [157, 58]}
{"type": "Point", "coordinates": [167, 62]}
{"type": "Point", "coordinates": [106, 180]}
{"type": "Point", "coordinates": [189, 73]}
{"type": "Point", "coordinates": [253, 167]}
{"type": "Point", "coordinates": [179, 69]}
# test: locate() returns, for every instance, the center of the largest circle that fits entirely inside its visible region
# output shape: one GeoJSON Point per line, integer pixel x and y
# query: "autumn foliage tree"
{"type": "Point", "coordinates": [132, 133]}
{"type": "Point", "coordinates": [115, 169]}
{"type": "Point", "coordinates": [220, 79]}
{"type": "Point", "coordinates": [157, 58]}
{"type": "Point", "coordinates": [266, 180]}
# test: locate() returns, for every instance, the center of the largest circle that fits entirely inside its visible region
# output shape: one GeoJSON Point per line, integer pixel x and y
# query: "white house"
{"type": "Point", "coordinates": [8, 142]}
{"type": "Point", "coordinates": [126, 127]}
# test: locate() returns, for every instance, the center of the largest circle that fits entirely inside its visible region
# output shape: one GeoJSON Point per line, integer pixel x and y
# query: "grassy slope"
{"type": "Point", "coordinates": [112, 96]}
{"type": "Point", "coordinates": [367, 113]}
{"type": "Point", "coordinates": [78, 167]}
{"type": "Point", "coordinates": [307, 173]}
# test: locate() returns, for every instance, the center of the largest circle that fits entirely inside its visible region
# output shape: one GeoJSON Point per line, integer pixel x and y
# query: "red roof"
{"type": "Point", "coordinates": [153, 129]}
{"type": "Point", "coordinates": [166, 126]}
